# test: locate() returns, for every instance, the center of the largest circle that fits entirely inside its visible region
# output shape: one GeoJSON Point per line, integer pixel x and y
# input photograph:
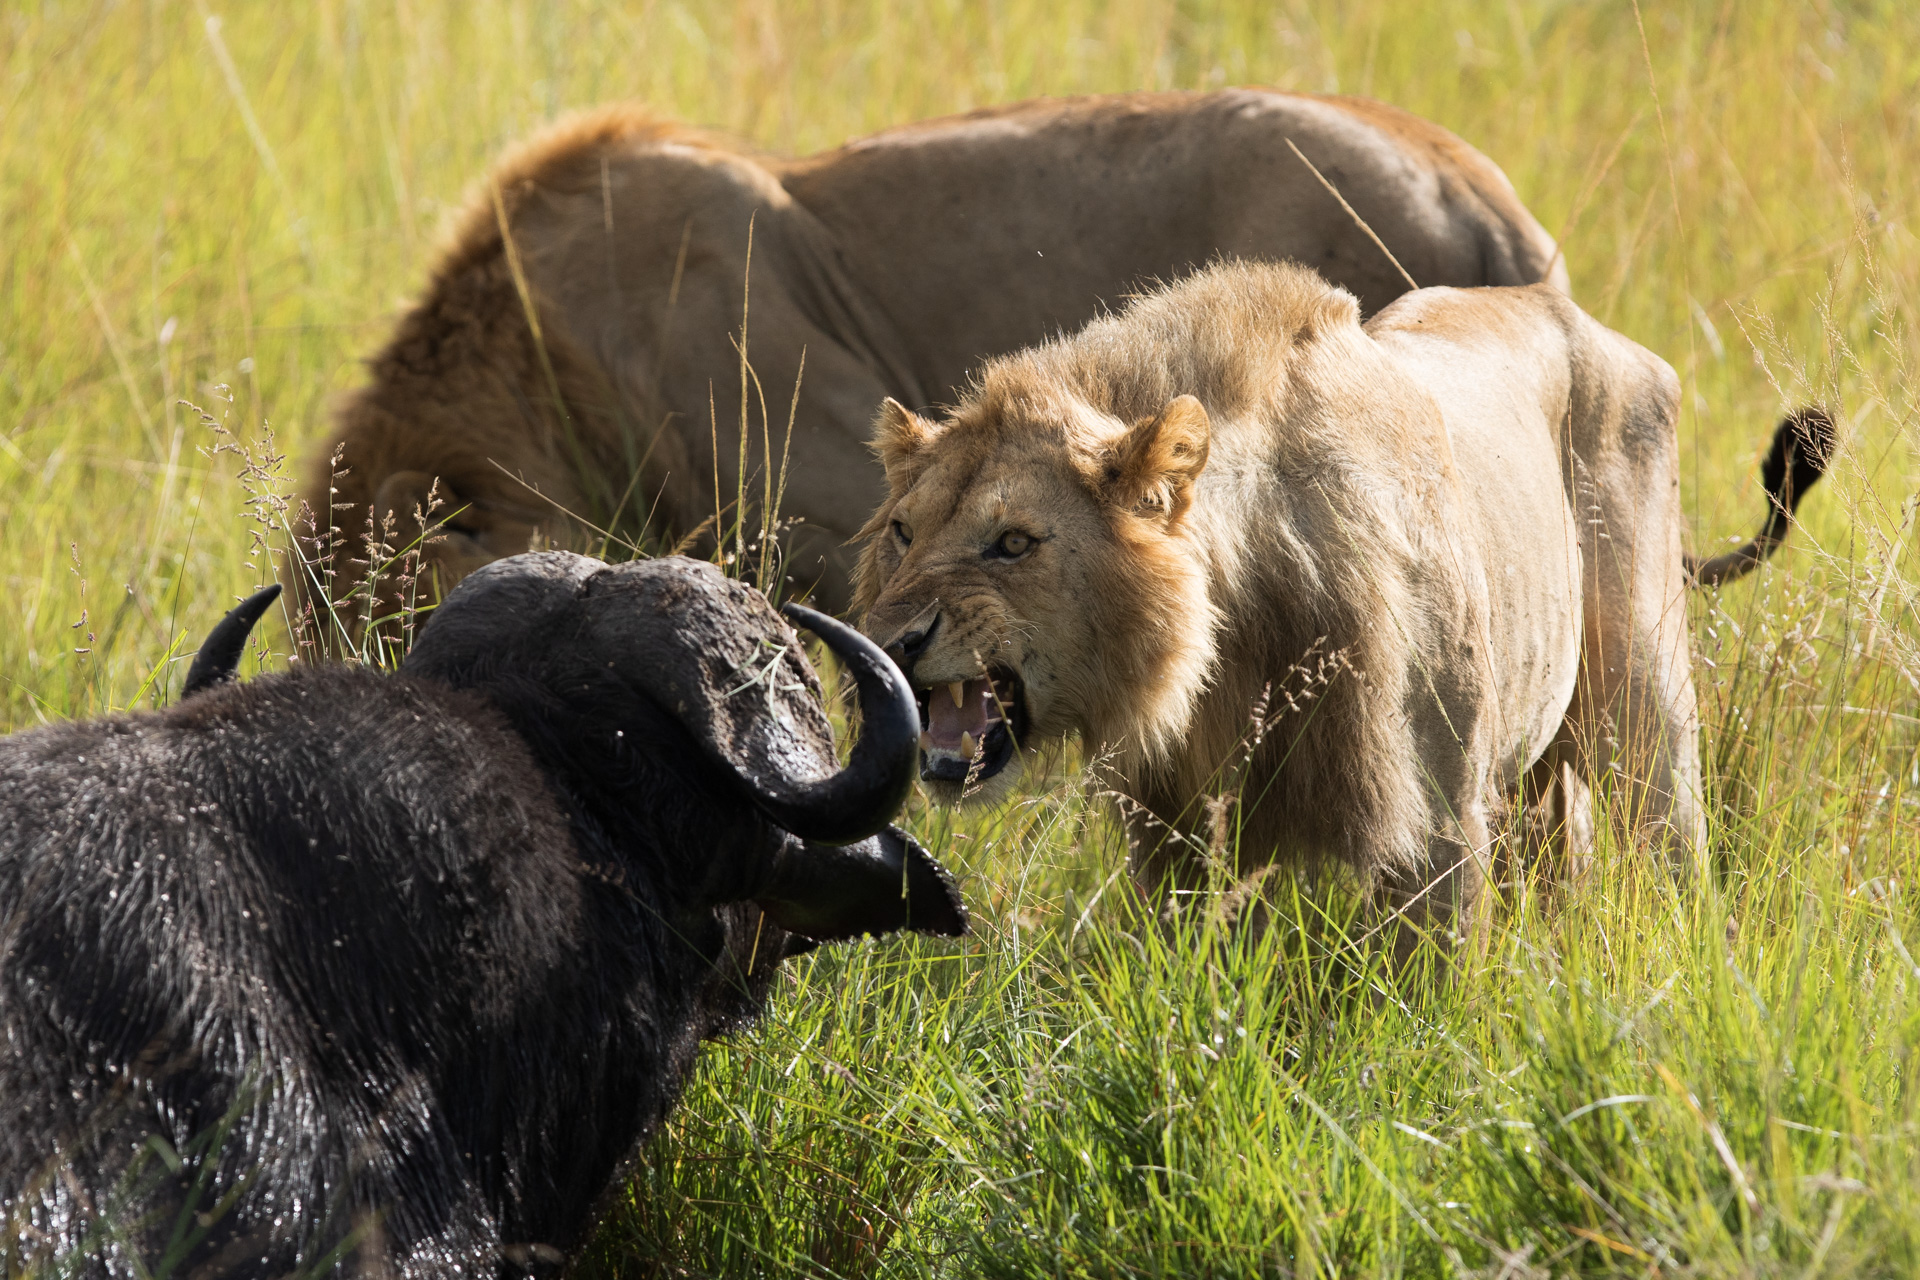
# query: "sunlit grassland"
{"type": "Point", "coordinates": [1708, 1079]}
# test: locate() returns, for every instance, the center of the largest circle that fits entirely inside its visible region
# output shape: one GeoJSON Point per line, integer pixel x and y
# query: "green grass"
{"type": "Point", "coordinates": [1639, 1078]}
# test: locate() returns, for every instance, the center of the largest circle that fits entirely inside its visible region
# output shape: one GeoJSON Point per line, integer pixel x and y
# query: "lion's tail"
{"type": "Point", "coordinates": [1802, 447]}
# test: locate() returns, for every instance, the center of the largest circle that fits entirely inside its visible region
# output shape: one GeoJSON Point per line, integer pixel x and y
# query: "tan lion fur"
{"type": "Point", "coordinates": [1403, 495]}
{"type": "Point", "coordinates": [588, 363]}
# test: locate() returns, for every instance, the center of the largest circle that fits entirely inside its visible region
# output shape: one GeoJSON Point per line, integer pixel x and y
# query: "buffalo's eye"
{"type": "Point", "coordinates": [1012, 545]}
{"type": "Point", "coordinates": [903, 533]}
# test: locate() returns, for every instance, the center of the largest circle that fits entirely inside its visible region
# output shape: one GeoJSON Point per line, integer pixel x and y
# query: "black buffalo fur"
{"type": "Point", "coordinates": [427, 964]}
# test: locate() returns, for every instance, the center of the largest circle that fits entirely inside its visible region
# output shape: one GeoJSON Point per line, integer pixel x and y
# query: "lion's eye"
{"type": "Point", "coordinates": [903, 533]}
{"type": "Point", "coordinates": [1012, 545]}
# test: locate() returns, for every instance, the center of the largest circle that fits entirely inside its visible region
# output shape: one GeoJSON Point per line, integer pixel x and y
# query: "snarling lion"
{"type": "Point", "coordinates": [1361, 579]}
{"type": "Point", "coordinates": [578, 347]}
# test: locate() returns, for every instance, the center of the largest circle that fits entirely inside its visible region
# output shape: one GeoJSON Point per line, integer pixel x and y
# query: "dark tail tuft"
{"type": "Point", "coordinates": [1802, 447]}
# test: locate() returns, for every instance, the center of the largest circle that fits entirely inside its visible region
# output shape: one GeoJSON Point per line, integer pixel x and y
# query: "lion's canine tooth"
{"type": "Point", "coordinates": [966, 745]}
{"type": "Point", "coordinates": [959, 691]}
{"type": "Point", "coordinates": [926, 740]}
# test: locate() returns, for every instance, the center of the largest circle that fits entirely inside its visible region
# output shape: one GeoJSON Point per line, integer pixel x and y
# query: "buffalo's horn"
{"type": "Point", "coordinates": [861, 799]}
{"type": "Point", "coordinates": [220, 653]}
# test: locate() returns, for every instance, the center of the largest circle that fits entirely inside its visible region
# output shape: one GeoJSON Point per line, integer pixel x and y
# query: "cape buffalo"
{"type": "Point", "coordinates": [395, 970]}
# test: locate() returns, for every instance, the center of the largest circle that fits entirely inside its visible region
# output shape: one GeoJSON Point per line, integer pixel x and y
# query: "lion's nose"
{"type": "Point", "coordinates": [909, 645]}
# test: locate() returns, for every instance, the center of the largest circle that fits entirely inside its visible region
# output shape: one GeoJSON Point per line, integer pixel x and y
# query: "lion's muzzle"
{"type": "Point", "coordinates": [970, 729]}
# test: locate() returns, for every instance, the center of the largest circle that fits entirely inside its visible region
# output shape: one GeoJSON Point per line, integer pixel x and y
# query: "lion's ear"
{"type": "Point", "coordinates": [407, 496]}
{"type": "Point", "coordinates": [898, 434]}
{"type": "Point", "coordinates": [1151, 469]}
{"type": "Point", "coordinates": [454, 523]}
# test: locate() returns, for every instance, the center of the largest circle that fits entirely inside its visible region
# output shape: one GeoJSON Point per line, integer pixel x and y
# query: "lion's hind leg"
{"type": "Point", "coordinates": [1556, 818]}
{"type": "Point", "coordinates": [1633, 726]}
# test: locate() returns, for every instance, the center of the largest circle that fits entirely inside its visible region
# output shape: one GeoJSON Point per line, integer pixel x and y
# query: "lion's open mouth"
{"type": "Point", "coordinates": [969, 729]}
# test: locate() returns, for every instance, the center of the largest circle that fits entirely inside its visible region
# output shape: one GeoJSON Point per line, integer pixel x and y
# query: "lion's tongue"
{"type": "Point", "coordinates": [946, 722]}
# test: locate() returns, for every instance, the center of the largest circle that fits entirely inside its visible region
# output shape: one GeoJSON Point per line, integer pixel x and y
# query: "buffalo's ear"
{"type": "Point", "coordinates": [898, 434]}
{"type": "Point", "coordinates": [1151, 469]}
{"type": "Point", "coordinates": [880, 885]}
